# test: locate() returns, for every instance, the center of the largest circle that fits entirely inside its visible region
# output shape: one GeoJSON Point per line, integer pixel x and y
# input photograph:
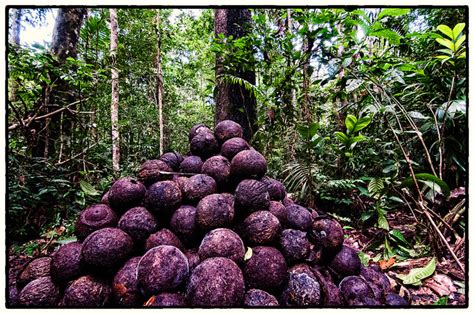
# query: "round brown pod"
{"type": "Point", "coordinates": [138, 222]}
{"type": "Point", "coordinates": [87, 291]}
{"type": "Point", "coordinates": [172, 159]}
{"type": "Point", "coordinates": [353, 289]}
{"type": "Point", "coordinates": [294, 245]}
{"type": "Point", "coordinates": [105, 199]}
{"type": "Point", "coordinates": [125, 290]}
{"type": "Point", "coordinates": [152, 171]}
{"type": "Point", "coordinates": [214, 211]}
{"type": "Point", "coordinates": [298, 217]}
{"type": "Point", "coordinates": [248, 164]}
{"type": "Point", "coordinates": [183, 224]}
{"type": "Point", "coordinates": [279, 211]}
{"type": "Point", "coordinates": [36, 268]}
{"type": "Point", "coordinates": [216, 282]}
{"type": "Point", "coordinates": [198, 128]}
{"type": "Point", "coordinates": [163, 197]}
{"type": "Point", "coordinates": [251, 195]}
{"type": "Point", "coordinates": [66, 262]}
{"type": "Point", "coordinates": [162, 268]}
{"type": "Point", "coordinates": [218, 167]}
{"type": "Point", "coordinates": [261, 227]}
{"type": "Point", "coordinates": [226, 130]}
{"type": "Point", "coordinates": [303, 288]}
{"type": "Point", "coordinates": [346, 262]}
{"type": "Point", "coordinates": [93, 218]}
{"type": "Point", "coordinates": [327, 233]}
{"type": "Point", "coordinates": [163, 237]}
{"type": "Point", "coordinates": [257, 298]}
{"type": "Point", "coordinates": [180, 181]}
{"type": "Point", "coordinates": [126, 193]}
{"type": "Point", "coordinates": [193, 259]}
{"type": "Point", "coordinates": [204, 145]}
{"type": "Point", "coordinates": [393, 299]}
{"type": "Point", "coordinates": [265, 269]}
{"type": "Point", "coordinates": [197, 187]}
{"type": "Point", "coordinates": [330, 292]}
{"type": "Point", "coordinates": [191, 164]}
{"type": "Point", "coordinates": [166, 299]}
{"type": "Point", "coordinates": [275, 188]}
{"type": "Point", "coordinates": [233, 146]}
{"type": "Point", "coordinates": [377, 281]}
{"type": "Point", "coordinates": [222, 242]}
{"type": "Point", "coordinates": [41, 292]}
{"type": "Point", "coordinates": [106, 249]}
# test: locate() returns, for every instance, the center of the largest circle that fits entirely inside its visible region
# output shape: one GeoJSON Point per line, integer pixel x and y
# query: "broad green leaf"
{"type": "Point", "coordinates": [376, 185]}
{"type": "Point", "coordinates": [382, 221]}
{"type": "Point", "coordinates": [408, 182]}
{"type": "Point", "coordinates": [362, 123]}
{"type": "Point", "coordinates": [88, 188]}
{"type": "Point", "coordinates": [445, 42]}
{"type": "Point", "coordinates": [458, 29]}
{"type": "Point", "coordinates": [358, 138]}
{"type": "Point", "coordinates": [462, 55]}
{"type": "Point", "coordinates": [446, 30]}
{"type": "Point", "coordinates": [342, 137]}
{"type": "Point", "coordinates": [416, 275]}
{"type": "Point", "coordinates": [351, 121]}
{"type": "Point", "coordinates": [392, 12]}
{"type": "Point", "coordinates": [364, 258]}
{"type": "Point", "coordinates": [398, 236]}
{"type": "Point", "coordinates": [459, 42]}
{"type": "Point", "coordinates": [388, 34]}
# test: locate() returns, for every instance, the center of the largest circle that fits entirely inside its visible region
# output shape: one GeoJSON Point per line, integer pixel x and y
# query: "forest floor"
{"type": "Point", "coordinates": [445, 287]}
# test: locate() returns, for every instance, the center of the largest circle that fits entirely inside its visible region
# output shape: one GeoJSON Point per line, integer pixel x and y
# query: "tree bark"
{"type": "Point", "coordinates": [159, 82]}
{"type": "Point", "coordinates": [14, 36]}
{"type": "Point", "coordinates": [307, 48]}
{"type": "Point", "coordinates": [65, 38]}
{"type": "Point", "coordinates": [234, 102]}
{"type": "Point", "coordinates": [115, 91]}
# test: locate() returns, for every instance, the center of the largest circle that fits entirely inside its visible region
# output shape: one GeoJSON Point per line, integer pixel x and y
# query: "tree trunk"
{"type": "Point", "coordinates": [159, 82]}
{"type": "Point", "coordinates": [307, 48]}
{"type": "Point", "coordinates": [14, 36]}
{"type": "Point", "coordinates": [234, 102]}
{"type": "Point", "coordinates": [115, 91]}
{"type": "Point", "coordinates": [65, 37]}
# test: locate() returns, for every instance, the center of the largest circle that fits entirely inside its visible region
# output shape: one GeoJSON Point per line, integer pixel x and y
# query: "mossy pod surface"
{"type": "Point", "coordinates": [106, 249]}
{"type": "Point", "coordinates": [216, 282]}
{"type": "Point", "coordinates": [222, 242]}
{"type": "Point", "coordinates": [93, 218]}
{"type": "Point", "coordinates": [162, 269]}
{"type": "Point", "coordinates": [126, 193]}
{"type": "Point", "coordinates": [163, 197]}
{"type": "Point", "coordinates": [138, 222]}
{"type": "Point", "coordinates": [66, 263]}
{"type": "Point", "coordinates": [154, 170]}
{"type": "Point", "coordinates": [41, 292]}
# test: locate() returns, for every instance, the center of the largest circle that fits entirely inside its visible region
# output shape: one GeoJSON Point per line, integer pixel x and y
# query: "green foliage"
{"type": "Point", "coordinates": [416, 275]}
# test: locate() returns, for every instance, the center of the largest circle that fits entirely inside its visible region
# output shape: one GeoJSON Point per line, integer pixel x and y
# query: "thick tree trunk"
{"type": "Point", "coordinates": [65, 37]}
{"type": "Point", "coordinates": [15, 28]}
{"type": "Point", "coordinates": [159, 82]}
{"type": "Point", "coordinates": [234, 102]}
{"type": "Point", "coordinates": [115, 91]}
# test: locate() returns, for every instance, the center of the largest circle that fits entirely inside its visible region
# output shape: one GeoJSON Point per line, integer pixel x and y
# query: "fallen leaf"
{"type": "Point", "coordinates": [385, 264]}
{"type": "Point", "coordinates": [441, 284]}
{"type": "Point", "coordinates": [416, 275]}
